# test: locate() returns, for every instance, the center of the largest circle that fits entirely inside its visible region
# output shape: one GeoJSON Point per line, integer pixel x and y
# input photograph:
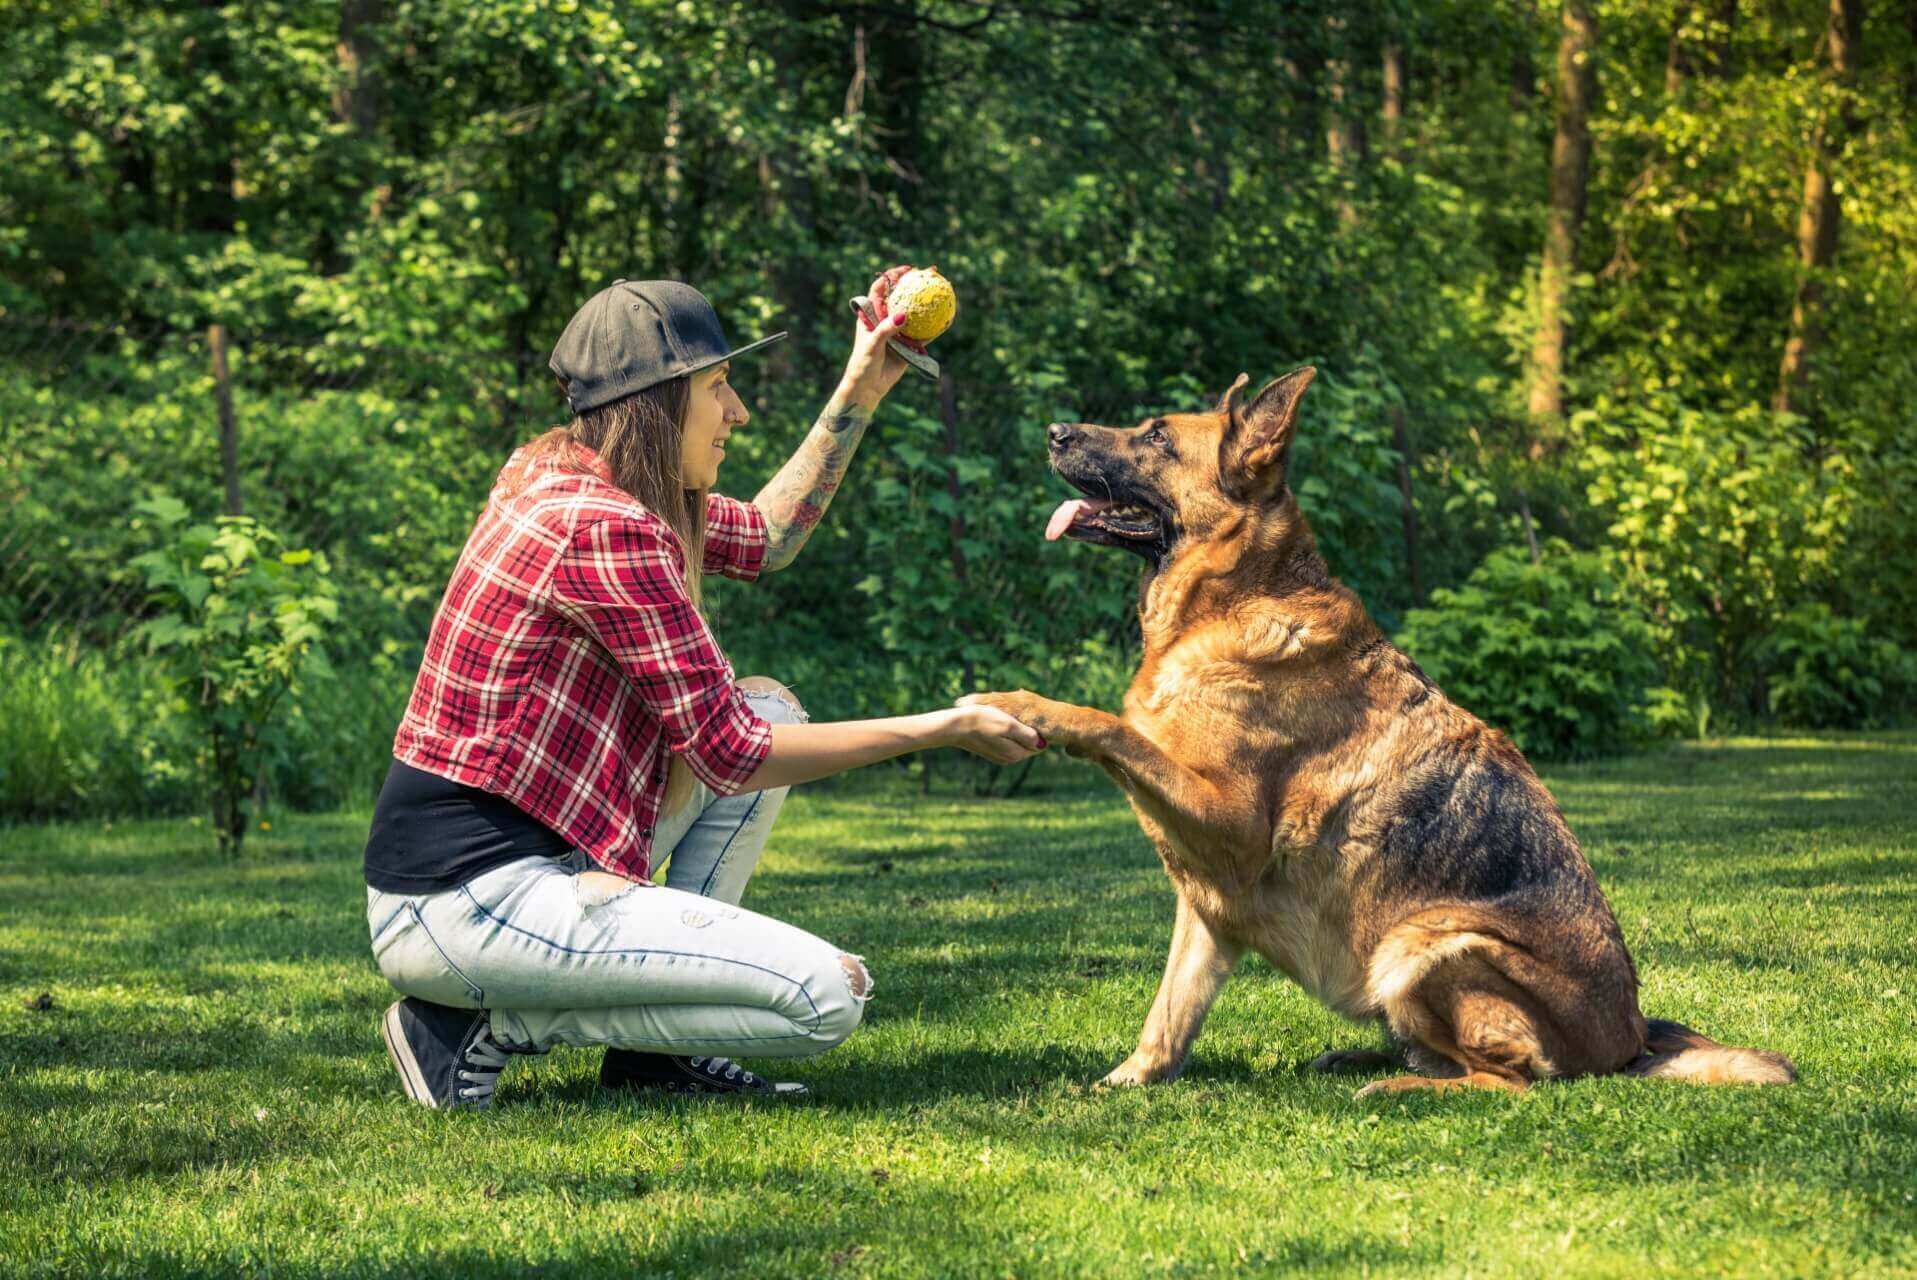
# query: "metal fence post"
{"type": "Point", "coordinates": [229, 429]}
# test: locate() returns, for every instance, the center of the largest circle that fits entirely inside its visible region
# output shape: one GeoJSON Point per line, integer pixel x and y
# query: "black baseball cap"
{"type": "Point", "coordinates": [636, 334]}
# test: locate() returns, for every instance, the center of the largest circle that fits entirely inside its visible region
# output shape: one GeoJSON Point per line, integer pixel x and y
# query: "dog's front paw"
{"type": "Point", "coordinates": [1059, 723]}
{"type": "Point", "coordinates": [1135, 1071]}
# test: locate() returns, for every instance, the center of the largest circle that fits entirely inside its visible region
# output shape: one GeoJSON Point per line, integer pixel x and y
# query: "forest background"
{"type": "Point", "coordinates": [1612, 304]}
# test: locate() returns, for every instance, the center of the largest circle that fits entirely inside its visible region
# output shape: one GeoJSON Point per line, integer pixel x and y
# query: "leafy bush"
{"type": "Point", "coordinates": [1828, 671]}
{"type": "Point", "coordinates": [1551, 653]}
{"type": "Point", "coordinates": [237, 625]}
{"type": "Point", "coordinates": [1719, 523]}
{"type": "Point", "coordinates": [1344, 470]}
{"type": "Point", "coordinates": [386, 487]}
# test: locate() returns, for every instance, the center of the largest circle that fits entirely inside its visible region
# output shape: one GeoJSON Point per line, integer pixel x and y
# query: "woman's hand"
{"type": "Point", "coordinates": [874, 368]}
{"type": "Point", "coordinates": [991, 733]}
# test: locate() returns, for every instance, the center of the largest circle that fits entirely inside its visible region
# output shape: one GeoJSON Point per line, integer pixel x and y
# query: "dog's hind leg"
{"type": "Point", "coordinates": [1465, 1021]}
{"type": "Point", "coordinates": [1196, 968]}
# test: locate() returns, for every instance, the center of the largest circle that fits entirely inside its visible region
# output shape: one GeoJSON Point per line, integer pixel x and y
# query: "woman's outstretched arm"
{"type": "Point", "coordinates": [802, 752]}
{"type": "Point", "coordinates": [794, 499]}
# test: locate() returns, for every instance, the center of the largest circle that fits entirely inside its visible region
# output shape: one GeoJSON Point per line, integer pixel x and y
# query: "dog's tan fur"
{"type": "Point", "coordinates": [1317, 800]}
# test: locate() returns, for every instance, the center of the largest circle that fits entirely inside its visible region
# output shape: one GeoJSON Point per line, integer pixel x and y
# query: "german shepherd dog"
{"type": "Point", "coordinates": [1316, 799]}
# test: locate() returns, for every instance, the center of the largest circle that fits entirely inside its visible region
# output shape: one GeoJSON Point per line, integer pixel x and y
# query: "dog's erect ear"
{"type": "Point", "coordinates": [1231, 393]}
{"type": "Point", "coordinates": [1258, 433]}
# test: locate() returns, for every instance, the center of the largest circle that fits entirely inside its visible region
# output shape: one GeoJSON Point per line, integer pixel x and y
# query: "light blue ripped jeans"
{"type": "Point", "coordinates": [556, 959]}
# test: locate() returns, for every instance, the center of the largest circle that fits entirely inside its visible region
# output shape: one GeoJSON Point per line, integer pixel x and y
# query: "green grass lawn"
{"type": "Point", "coordinates": [208, 1094]}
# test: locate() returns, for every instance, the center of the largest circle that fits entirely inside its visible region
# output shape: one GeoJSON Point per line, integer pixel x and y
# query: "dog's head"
{"type": "Point", "coordinates": [1180, 478]}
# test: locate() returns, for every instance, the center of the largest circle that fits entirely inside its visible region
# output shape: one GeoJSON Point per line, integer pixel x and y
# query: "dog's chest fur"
{"type": "Point", "coordinates": [1233, 701]}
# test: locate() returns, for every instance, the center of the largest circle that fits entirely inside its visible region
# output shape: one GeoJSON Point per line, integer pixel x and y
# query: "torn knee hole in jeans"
{"type": "Point", "coordinates": [857, 977]}
{"type": "Point", "coordinates": [766, 687]}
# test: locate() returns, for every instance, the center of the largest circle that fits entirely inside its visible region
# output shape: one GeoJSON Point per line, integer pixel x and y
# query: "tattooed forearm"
{"type": "Point", "coordinates": [795, 499]}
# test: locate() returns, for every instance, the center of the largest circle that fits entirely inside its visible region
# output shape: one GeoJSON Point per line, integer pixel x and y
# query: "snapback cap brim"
{"type": "Point", "coordinates": [736, 351]}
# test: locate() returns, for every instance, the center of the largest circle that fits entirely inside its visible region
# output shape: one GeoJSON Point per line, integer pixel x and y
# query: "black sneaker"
{"type": "Point", "coordinates": [629, 1069]}
{"type": "Point", "coordinates": [446, 1057]}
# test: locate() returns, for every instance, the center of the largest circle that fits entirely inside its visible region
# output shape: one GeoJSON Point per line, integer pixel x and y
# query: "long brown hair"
{"type": "Point", "coordinates": [639, 439]}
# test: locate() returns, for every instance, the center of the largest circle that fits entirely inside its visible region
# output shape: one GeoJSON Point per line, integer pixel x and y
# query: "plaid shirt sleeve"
{"type": "Point", "coordinates": [735, 537]}
{"type": "Point", "coordinates": [621, 579]}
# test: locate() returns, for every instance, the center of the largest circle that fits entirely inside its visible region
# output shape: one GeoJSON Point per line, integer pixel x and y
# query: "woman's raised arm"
{"type": "Point", "coordinates": [794, 499]}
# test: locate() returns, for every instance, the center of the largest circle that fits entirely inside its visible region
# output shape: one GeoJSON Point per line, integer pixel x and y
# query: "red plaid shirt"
{"type": "Point", "coordinates": [566, 660]}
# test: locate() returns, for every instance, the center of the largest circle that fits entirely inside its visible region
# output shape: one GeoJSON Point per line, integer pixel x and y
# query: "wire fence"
{"type": "Point", "coordinates": [367, 452]}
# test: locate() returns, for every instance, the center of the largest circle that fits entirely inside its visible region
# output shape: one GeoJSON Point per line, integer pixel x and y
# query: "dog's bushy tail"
{"type": "Point", "coordinates": [1675, 1052]}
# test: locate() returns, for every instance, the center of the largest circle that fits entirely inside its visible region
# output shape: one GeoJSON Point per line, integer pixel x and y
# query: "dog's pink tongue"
{"type": "Point", "coordinates": [1062, 518]}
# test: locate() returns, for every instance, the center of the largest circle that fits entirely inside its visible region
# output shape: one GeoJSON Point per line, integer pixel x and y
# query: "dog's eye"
{"type": "Point", "coordinates": [1158, 439]}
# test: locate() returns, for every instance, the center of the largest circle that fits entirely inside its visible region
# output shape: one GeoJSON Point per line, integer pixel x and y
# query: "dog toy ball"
{"type": "Point", "coordinates": [928, 301]}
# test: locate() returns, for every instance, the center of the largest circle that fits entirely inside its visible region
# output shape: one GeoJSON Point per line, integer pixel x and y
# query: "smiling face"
{"type": "Point", "coordinates": [1178, 477]}
{"type": "Point", "coordinates": [713, 412]}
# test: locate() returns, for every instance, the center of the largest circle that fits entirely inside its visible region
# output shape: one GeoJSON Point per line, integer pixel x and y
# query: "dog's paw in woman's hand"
{"type": "Point", "coordinates": [1051, 719]}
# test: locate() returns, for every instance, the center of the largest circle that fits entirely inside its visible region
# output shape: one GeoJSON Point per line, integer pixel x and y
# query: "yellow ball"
{"type": "Point", "coordinates": [928, 301]}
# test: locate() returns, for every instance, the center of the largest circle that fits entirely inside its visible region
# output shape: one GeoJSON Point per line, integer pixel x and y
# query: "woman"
{"type": "Point", "coordinates": [574, 723]}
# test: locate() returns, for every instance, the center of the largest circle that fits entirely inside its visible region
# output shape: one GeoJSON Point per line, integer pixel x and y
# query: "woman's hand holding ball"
{"type": "Point", "coordinates": [904, 304]}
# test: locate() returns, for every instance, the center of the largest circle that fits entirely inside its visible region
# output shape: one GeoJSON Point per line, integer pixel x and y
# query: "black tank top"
{"type": "Point", "coordinates": [431, 834]}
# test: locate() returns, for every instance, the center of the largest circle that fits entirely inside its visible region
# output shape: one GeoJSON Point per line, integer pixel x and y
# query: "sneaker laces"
{"type": "Point", "coordinates": [724, 1068]}
{"type": "Point", "coordinates": [488, 1059]}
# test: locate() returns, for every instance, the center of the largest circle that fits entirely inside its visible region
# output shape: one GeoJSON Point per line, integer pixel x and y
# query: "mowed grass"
{"type": "Point", "coordinates": [208, 1094]}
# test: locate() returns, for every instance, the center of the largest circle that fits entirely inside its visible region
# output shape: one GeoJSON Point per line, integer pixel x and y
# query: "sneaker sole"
{"type": "Point", "coordinates": [411, 1078]}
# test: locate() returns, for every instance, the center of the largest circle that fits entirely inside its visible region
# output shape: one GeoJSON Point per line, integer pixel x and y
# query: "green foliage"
{"type": "Point", "coordinates": [236, 626]}
{"type": "Point", "coordinates": [396, 220]}
{"type": "Point", "coordinates": [1552, 653]}
{"type": "Point", "coordinates": [1343, 469]}
{"type": "Point", "coordinates": [1829, 670]}
{"type": "Point", "coordinates": [1719, 523]}
{"type": "Point", "coordinates": [87, 733]}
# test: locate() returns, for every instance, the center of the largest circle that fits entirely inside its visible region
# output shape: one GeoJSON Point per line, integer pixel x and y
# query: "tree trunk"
{"type": "Point", "coordinates": [1344, 130]}
{"type": "Point", "coordinates": [1570, 168]}
{"type": "Point", "coordinates": [229, 425]}
{"type": "Point", "coordinates": [788, 203]}
{"type": "Point", "coordinates": [1910, 66]}
{"type": "Point", "coordinates": [1408, 507]}
{"type": "Point", "coordinates": [358, 99]}
{"type": "Point", "coordinates": [895, 60]}
{"type": "Point", "coordinates": [1530, 526]}
{"type": "Point", "coordinates": [1210, 163]}
{"type": "Point", "coordinates": [1676, 60]}
{"type": "Point", "coordinates": [1391, 113]}
{"type": "Point", "coordinates": [955, 527]}
{"type": "Point", "coordinates": [672, 148]}
{"type": "Point", "coordinates": [358, 96]}
{"type": "Point", "coordinates": [855, 89]}
{"type": "Point", "coordinates": [1817, 220]}
{"type": "Point", "coordinates": [1524, 80]}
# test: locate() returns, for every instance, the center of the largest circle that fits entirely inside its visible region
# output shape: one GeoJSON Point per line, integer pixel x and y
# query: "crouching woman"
{"type": "Point", "coordinates": [574, 723]}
